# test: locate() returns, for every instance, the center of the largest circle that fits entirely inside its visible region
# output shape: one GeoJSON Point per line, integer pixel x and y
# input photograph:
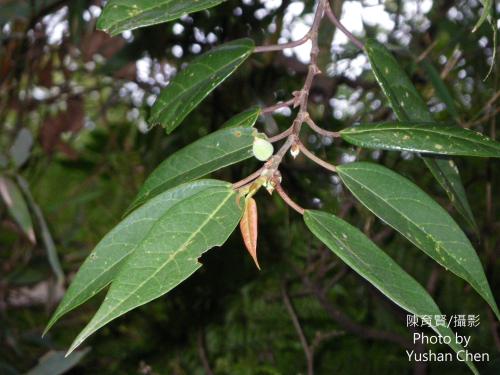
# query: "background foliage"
{"type": "Point", "coordinates": [73, 103]}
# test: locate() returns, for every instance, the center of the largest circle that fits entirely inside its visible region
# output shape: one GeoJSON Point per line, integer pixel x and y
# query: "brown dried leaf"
{"type": "Point", "coordinates": [249, 228]}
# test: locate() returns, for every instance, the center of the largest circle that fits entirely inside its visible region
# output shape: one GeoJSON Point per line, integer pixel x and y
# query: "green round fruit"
{"type": "Point", "coordinates": [262, 148]}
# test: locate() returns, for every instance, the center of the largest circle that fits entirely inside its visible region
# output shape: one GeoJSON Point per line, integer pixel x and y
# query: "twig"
{"type": "Point", "coordinates": [487, 107]}
{"type": "Point", "coordinates": [428, 50]}
{"type": "Point", "coordinates": [248, 179]}
{"type": "Point", "coordinates": [281, 136]}
{"type": "Point", "coordinates": [455, 57]}
{"type": "Point", "coordinates": [280, 47]}
{"type": "Point", "coordinates": [320, 130]}
{"type": "Point", "coordinates": [295, 320]}
{"type": "Point", "coordinates": [202, 352]}
{"type": "Point", "coordinates": [288, 200]}
{"type": "Point", "coordinates": [333, 18]}
{"type": "Point", "coordinates": [271, 109]}
{"type": "Point", "coordinates": [315, 159]}
{"type": "Point", "coordinates": [302, 96]}
{"type": "Point", "coordinates": [270, 169]}
{"type": "Point", "coordinates": [321, 337]}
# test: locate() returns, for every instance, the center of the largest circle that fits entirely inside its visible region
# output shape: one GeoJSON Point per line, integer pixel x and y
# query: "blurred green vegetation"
{"type": "Point", "coordinates": [84, 98]}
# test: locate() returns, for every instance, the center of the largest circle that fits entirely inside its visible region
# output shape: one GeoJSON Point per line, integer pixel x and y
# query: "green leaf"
{"type": "Point", "coordinates": [441, 90]}
{"type": "Point", "coordinates": [21, 148]}
{"type": "Point", "coordinates": [120, 15]}
{"type": "Point", "coordinates": [169, 253]}
{"type": "Point", "coordinates": [423, 138]}
{"type": "Point", "coordinates": [54, 363]}
{"type": "Point", "coordinates": [364, 257]}
{"type": "Point", "coordinates": [487, 12]}
{"type": "Point", "coordinates": [102, 265]}
{"type": "Point", "coordinates": [191, 85]}
{"type": "Point", "coordinates": [408, 105]}
{"type": "Point", "coordinates": [227, 146]}
{"type": "Point", "coordinates": [17, 207]}
{"type": "Point", "coordinates": [48, 242]}
{"type": "Point", "coordinates": [406, 208]}
{"type": "Point", "coordinates": [446, 173]}
{"type": "Point", "coordinates": [245, 119]}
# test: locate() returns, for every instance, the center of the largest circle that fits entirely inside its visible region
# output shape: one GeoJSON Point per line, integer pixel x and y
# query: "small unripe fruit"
{"type": "Point", "coordinates": [262, 149]}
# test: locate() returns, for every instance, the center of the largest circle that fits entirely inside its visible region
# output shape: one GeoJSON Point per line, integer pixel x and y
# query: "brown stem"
{"type": "Point", "coordinates": [320, 130]}
{"type": "Point", "coordinates": [288, 200]}
{"type": "Point", "coordinates": [281, 47]}
{"type": "Point", "coordinates": [315, 159]}
{"type": "Point", "coordinates": [202, 352]}
{"type": "Point", "coordinates": [248, 179]}
{"type": "Point", "coordinates": [281, 136]}
{"type": "Point", "coordinates": [300, 100]}
{"type": "Point", "coordinates": [302, 96]}
{"type": "Point", "coordinates": [333, 18]}
{"type": "Point", "coordinates": [300, 332]}
{"type": "Point", "coordinates": [272, 108]}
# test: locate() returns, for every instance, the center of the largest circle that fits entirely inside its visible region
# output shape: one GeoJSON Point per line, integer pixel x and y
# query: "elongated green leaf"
{"type": "Point", "coordinates": [102, 265]}
{"type": "Point", "coordinates": [54, 363]}
{"type": "Point", "coordinates": [190, 86]}
{"type": "Point", "coordinates": [121, 15]}
{"type": "Point", "coordinates": [227, 146]}
{"type": "Point", "coordinates": [16, 205]}
{"type": "Point", "coordinates": [21, 148]}
{"type": "Point", "coordinates": [422, 137]}
{"type": "Point", "coordinates": [48, 242]}
{"type": "Point", "coordinates": [408, 105]}
{"type": "Point", "coordinates": [169, 252]}
{"type": "Point", "coordinates": [487, 12]}
{"type": "Point", "coordinates": [441, 90]}
{"type": "Point", "coordinates": [364, 257]}
{"type": "Point", "coordinates": [405, 207]}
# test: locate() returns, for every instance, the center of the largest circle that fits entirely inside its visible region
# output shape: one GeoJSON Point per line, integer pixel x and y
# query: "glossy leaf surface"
{"type": "Point", "coordinates": [224, 147]}
{"type": "Point", "coordinates": [405, 207]}
{"type": "Point", "coordinates": [423, 138]}
{"type": "Point", "coordinates": [120, 15]}
{"type": "Point", "coordinates": [169, 252]}
{"type": "Point", "coordinates": [364, 257]}
{"type": "Point", "coordinates": [102, 265]}
{"type": "Point", "coordinates": [191, 85]}
{"type": "Point", "coordinates": [408, 105]}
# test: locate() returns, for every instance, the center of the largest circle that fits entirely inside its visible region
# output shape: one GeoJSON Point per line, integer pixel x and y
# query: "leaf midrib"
{"type": "Point", "coordinates": [380, 282]}
{"type": "Point", "coordinates": [119, 21]}
{"type": "Point", "coordinates": [451, 255]}
{"type": "Point", "coordinates": [421, 128]}
{"type": "Point", "coordinates": [181, 248]}
{"type": "Point", "coordinates": [159, 186]}
{"type": "Point", "coordinates": [205, 81]}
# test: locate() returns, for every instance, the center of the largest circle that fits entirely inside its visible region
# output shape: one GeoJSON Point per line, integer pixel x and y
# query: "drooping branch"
{"type": "Point", "coordinates": [288, 200]}
{"type": "Point", "coordinates": [319, 130]}
{"type": "Point", "coordinates": [281, 47]}
{"type": "Point", "coordinates": [315, 159]}
{"type": "Point", "coordinates": [335, 21]}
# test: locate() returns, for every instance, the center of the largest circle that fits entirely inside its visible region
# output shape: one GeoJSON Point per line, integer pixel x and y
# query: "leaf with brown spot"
{"type": "Point", "coordinates": [249, 228]}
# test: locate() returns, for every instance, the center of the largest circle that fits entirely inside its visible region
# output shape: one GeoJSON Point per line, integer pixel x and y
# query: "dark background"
{"type": "Point", "coordinates": [84, 97]}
